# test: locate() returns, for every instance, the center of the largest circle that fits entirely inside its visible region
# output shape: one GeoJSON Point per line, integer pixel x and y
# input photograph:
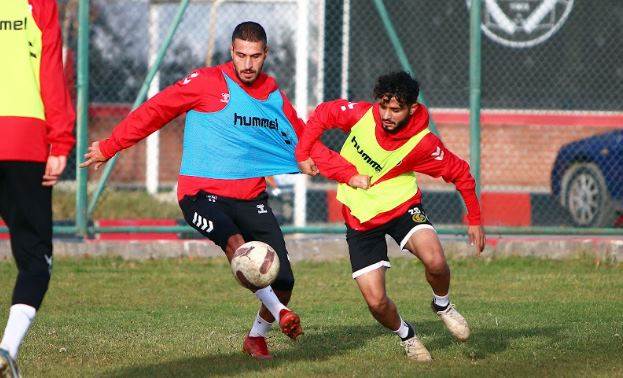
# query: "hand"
{"type": "Point", "coordinates": [477, 238]}
{"type": "Point", "coordinates": [53, 169]}
{"type": "Point", "coordinates": [94, 157]}
{"type": "Point", "coordinates": [308, 167]}
{"type": "Point", "coordinates": [359, 181]}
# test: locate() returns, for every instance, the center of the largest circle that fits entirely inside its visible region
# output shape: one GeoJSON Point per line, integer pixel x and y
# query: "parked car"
{"type": "Point", "coordinates": [587, 179]}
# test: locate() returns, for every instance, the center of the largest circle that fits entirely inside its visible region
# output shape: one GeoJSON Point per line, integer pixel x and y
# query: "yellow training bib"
{"type": "Point", "coordinates": [20, 46]}
{"type": "Point", "coordinates": [363, 151]}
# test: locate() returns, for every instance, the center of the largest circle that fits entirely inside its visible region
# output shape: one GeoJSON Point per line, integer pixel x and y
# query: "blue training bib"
{"type": "Point", "coordinates": [248, 138]}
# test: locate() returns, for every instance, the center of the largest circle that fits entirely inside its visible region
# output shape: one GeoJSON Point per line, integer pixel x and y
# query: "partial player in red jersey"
{"type": "Point", "coordinates": [36, 126]}
{"type": "Point", "coordinates": [388, 142]}
{"type": "Point", "coordinates": [239, 129]}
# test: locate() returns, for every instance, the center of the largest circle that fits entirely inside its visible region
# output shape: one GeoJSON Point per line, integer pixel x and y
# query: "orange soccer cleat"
{"type": "Point", "coordinates": [256, 347]}
{"type": "Point", "coordinates": [290, 323]}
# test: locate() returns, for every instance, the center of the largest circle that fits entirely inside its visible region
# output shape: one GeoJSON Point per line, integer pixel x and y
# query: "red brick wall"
{"type": "Point", "coordinates": [518, 149]}
{"type": "Point", "coordinates": [515, 155]}
{"type": "Point", "coordinates": [131, 164]}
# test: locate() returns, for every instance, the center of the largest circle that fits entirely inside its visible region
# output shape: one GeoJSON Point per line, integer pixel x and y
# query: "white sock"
{"type": "Point", "coordinates": [441, 301]}
{"type": "Point", "coordinates": [403, 330]}
{"type": "Point", "coordinates": [270, 300]}
{"type": "Point", "coordinates": [20, 317]}
{"type": "Point", "coordinates": [260, 327]}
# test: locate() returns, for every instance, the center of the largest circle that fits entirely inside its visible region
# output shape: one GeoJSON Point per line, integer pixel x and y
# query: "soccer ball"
{"type": "Point", "coordinates": [255, 265]}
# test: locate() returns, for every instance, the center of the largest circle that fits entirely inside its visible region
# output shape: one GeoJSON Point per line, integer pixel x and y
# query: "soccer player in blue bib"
{"type": "Point", "coordinates": [239, 129]}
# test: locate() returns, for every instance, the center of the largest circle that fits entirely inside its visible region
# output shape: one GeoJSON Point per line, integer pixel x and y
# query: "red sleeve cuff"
{"type": "Point", "coordinates": [60, 149]}
{"type": "Point", "coordinates": [474, 220]}
{"type": "Point", "coordinates": [301, 155]}
{"type": "Point", "coordinates": [109, 148]}
{"type": "Point", "coordinates": [345, 176]}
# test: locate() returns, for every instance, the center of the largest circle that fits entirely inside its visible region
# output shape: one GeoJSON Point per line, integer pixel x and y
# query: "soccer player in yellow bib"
{"type": "Point", "coordinates": [388, 142]}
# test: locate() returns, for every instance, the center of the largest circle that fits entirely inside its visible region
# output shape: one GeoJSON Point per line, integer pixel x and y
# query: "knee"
{"type": "Point", "coordinates": [438, 266]}
{"type": "Point", "coordinates": [378, 304]}
{"type": "Point", "coordinates": [38, 269]}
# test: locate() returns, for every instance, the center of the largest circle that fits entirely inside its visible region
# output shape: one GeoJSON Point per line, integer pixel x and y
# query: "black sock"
{"type": "Point", "coordinates": [438, 308]}
{"type": "Point", "coordinates": [410, 334]}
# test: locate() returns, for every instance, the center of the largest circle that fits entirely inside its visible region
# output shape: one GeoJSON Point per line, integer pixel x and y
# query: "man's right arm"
{"type": "Point", "coordinates": [155, 113]}
{"type": "Point", "coordinates": [328, 115]}
{"type": "Point", "coordinates": [334, 114]}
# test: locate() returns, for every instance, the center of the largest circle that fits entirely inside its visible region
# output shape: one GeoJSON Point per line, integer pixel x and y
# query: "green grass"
{"type": "Point", "coordinates": [187, 318]}
{"type": "Point", "coordinates": [116, 204]}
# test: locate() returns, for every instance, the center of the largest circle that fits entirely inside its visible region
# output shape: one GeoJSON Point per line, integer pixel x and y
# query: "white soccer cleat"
{"type": "Point", "coordinates": [8, 366]}
{"type": "Point", "coordinates": [455, 322]}
{"type": "Point", "coordinates": [416, 351]}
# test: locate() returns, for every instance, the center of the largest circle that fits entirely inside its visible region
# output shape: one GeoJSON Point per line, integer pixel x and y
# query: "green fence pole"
{"type": "Point", "coordinates": [56, 230]}
{"type": "Point", "coordinates": [402, 56]}
{"type": "Point", "coordinates": [82, 110]}
{"type": "Point", "coordinates": [142, 94]}
{"type": "Point", "coordinates": [340, 229]}
{"type": "Point", "coordinates": [475, 91]}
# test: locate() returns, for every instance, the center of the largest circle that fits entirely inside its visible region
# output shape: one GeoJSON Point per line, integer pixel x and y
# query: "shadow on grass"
{"type": "Point", "coordinates": [319, 343]}
{"type": "Point", "coordinates": [483, 341]}
{"type": "Point", "coordinates": [322, 343]}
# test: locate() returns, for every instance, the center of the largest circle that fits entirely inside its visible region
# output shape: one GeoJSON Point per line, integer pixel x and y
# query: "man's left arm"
{"type": "Point", "coordinates": [59, 112]}
{"type": "Point", "coordinates": [331, 164]}
{"type": "Point", "coordinates": [432, 158]}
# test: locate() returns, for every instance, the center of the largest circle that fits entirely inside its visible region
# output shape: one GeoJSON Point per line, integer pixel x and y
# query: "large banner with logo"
{"type": "Point", "coordinates": [537, 54]}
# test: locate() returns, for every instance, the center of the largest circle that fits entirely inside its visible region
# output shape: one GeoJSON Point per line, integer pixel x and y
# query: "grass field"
{"type": "Point", "coordinates": [116, 204]}
{"type": "Point", "coordinates": [187, 318]}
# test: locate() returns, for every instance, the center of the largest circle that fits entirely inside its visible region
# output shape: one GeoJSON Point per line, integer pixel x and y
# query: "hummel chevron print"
{"type": "Point", "coordinates": [438, 154]}
{"type": "Point", "coordinates": [202, 223]}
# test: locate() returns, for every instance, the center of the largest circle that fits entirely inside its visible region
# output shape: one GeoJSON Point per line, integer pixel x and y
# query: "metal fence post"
{"type": "Point", "coordinates": [140, 98]}
{"type": "Point", "coordinates": [475, 91]}
{"type": "Point", "coordinates": [400, 52]}
{"type": "Point", "coordinates": [82, 117]}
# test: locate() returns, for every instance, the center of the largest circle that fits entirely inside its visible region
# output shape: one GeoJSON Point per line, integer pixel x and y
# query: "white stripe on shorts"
{"type": "Point", "coordinates": [414, 230]}
{"type": "Point", "coordinates": [372, 267]}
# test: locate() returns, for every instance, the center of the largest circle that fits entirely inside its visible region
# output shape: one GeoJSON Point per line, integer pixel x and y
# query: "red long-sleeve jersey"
{"type": "Point", "coordinates": [34, 139]}
{"type": "Point", "coordinates": [429, 157]}
{"type": "Point", "coordinates": [205, 90]}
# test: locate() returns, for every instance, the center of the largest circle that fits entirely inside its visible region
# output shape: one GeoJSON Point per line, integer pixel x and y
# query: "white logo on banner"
{"type": "Point", "coordinates": [523, 23]}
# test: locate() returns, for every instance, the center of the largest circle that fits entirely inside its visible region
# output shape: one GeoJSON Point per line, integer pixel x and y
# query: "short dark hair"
{"type": "Point", "coordinates": [400, 85]}
{"type": "Point", "coordinates": [249, 31]}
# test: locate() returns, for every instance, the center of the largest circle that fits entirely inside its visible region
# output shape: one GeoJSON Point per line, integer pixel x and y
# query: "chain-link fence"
{"type": "Point", "coordinates": [551, 77]}
{"type": "Point", "coordinates": [552, 150]}
{"type": "Point", "coordinates": [553, 156]}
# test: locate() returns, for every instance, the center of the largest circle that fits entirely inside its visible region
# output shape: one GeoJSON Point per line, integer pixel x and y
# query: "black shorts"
{"type": "Point", "coordinates": [218, 218]}
{"type": "Point", "coordinates": [368, 249]}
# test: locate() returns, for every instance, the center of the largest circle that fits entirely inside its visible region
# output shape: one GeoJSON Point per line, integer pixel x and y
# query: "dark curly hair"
{"type": "Point", "coordinates": [399, 85]}
{"type": "Point", "coordinates": [249, 31]}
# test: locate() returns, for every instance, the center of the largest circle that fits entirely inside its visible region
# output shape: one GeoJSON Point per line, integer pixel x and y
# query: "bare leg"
{"type": "Point", "coordinates": [284, 297]}
{"type": "Point", "coordinates": [234, 242]}
{"type": "Point", "coordinates": [426, 246]}
{"type": "Point", "coordinates": [372, 286]}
